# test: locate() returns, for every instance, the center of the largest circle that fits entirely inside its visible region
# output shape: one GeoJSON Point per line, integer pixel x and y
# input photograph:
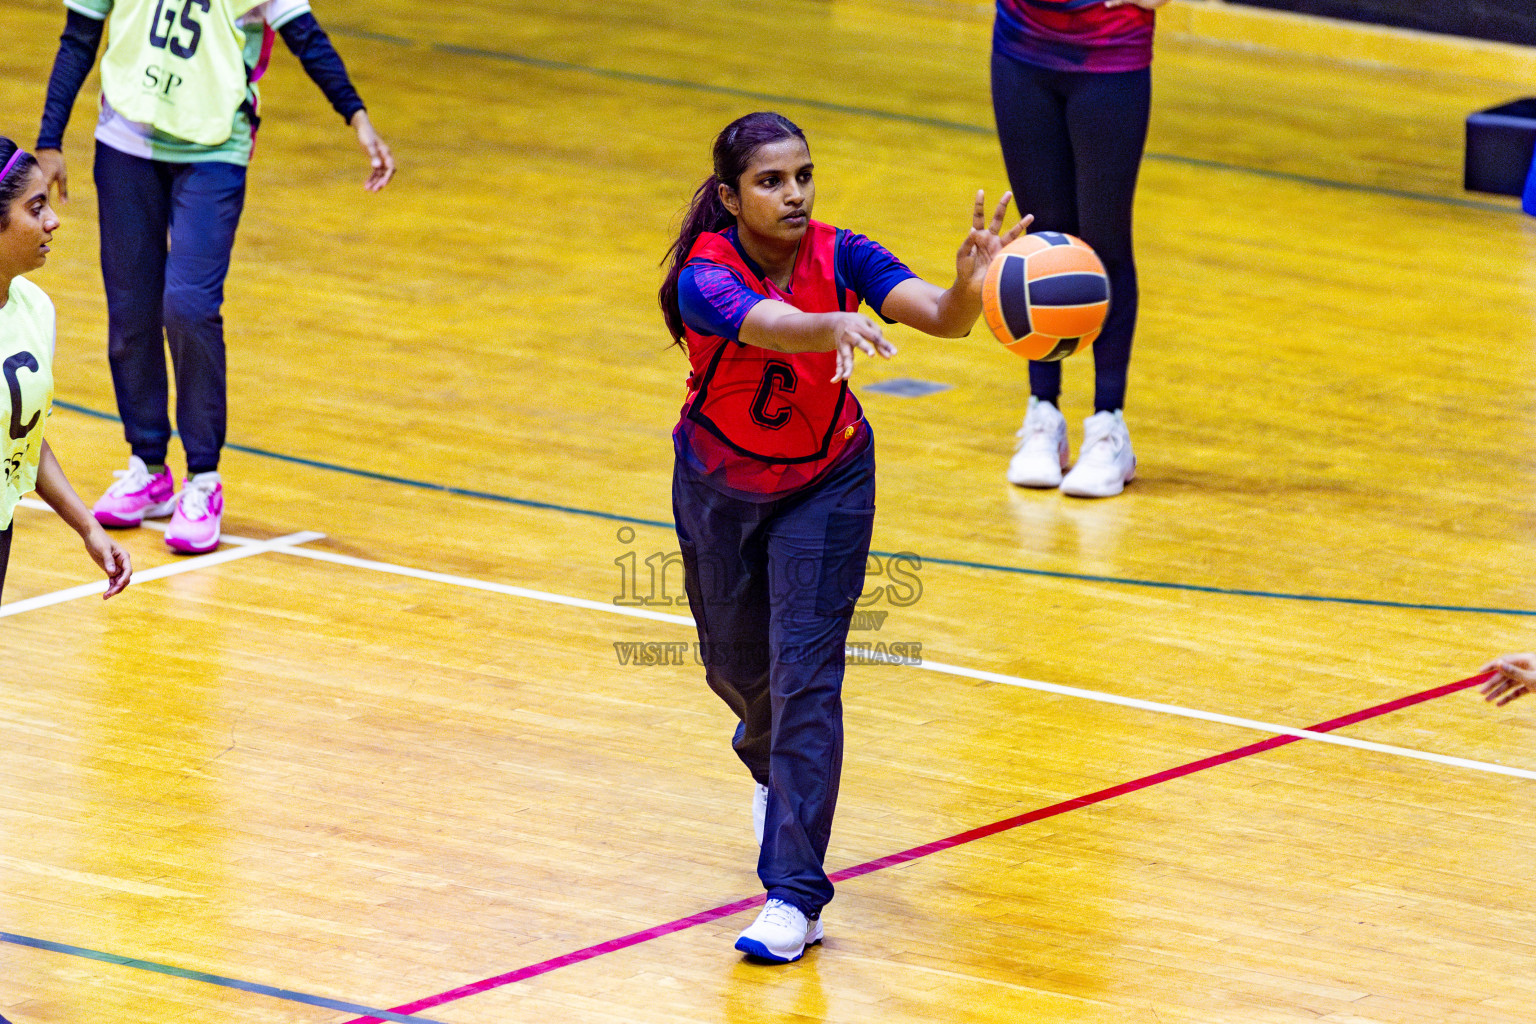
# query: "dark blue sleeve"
{"type": "Point", "coordinates": [76, 57]}
{"type": "Point", "coordinates": [868, 269]}
{"type": "Point", "coordinates": [713, 300]}
{"type": "Point", "coordinates": [312, 46]}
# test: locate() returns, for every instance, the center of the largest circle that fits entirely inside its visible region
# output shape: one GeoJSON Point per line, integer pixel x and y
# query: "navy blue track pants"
{"type": "Point", "coordinates": [166, 234]}
{"type": "Point", "coordinates": [1072, 142]}
{"type": "Point", "coordinates": [772, 586]}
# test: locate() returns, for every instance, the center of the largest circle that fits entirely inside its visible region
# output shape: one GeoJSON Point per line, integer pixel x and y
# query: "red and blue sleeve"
{"type": "Point", "coordinates": [868, 269]}
{"type": "Point", "coordinates": [714, 300]}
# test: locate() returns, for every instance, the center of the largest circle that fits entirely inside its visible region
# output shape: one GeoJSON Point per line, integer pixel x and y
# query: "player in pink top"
{"type": "Point", "coordinates": [1071, 91]}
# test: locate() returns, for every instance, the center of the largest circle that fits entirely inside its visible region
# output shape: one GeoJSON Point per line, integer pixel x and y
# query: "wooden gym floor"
{"type": "Point", "coordinates": [404, 766]}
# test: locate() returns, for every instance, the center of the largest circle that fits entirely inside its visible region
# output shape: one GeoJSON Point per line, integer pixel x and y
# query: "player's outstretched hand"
{"type": "Point", "coordinates": [380, 159]}
{"type": "Point", "coordinates": [51, 163]}
{"type": "Point", "coordinates": [985, 240]}
{"type": "Point", "coordinates": [114, 561]}
{"type": "Point", "coordinates": [1516, 676]}
{"type": "Point", "coordinates": [855, 331]}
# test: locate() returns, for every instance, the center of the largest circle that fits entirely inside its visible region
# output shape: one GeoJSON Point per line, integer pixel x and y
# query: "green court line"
{"type": "Point", "coordinates": [576, 510]}
{"type": "Point", "coordinates": [213, 979]}
{"type": "Point", "coordinates": [509, 57]}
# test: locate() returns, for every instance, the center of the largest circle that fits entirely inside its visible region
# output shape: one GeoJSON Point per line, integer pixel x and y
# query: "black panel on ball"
{"type": "Point", "coordinates": [1064, 348]}
{"type": "Point", "coordinates": [1013, 296]}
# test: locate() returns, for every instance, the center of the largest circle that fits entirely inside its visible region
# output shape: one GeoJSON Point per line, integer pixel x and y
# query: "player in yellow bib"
{"type": "Point", "coordinates": [182, 71]}
{"type": "Point", "coordinates": [27, 224]}
{"type": "Point", "coordinates": [179, 112]}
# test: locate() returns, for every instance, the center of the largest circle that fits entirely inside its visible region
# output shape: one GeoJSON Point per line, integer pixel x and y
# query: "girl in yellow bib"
{"type": "Point", "coordinates": [27, 224]}
{"type": "Point", "coordinates": [179, 112]}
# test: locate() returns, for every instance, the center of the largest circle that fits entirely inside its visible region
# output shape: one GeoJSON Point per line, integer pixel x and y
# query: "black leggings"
{"type": "Point", "coordinates": [1072, 142]}
{"type": "Point", "coordinates": [5, 554]}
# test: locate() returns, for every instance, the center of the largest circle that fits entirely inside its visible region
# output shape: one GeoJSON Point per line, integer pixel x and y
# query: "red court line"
{"type": "Point", "coordinates": [916, 852]}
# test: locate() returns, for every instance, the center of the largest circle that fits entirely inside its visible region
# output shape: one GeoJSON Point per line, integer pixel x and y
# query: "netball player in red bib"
{"type": "Point", "coordinates": [774, 487]}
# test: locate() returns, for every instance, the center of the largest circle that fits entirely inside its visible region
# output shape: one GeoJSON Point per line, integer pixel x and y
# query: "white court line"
{"type": "Point", "coordinates": [1212, 716]}
{"type": "Point", "coordinates": [230, 554]}
{"type": "Point", "coordinates": [931, 666]}
{"type": "Point", "coordinates": [495, 588]}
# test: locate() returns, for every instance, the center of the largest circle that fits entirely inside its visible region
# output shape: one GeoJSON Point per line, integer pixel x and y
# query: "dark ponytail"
{"type": "Point", "coordinates": [13, 183]}
{"type": "Point", "coordinates": [734, 147]}
{"type": "Point", "coordinates": [705, 213]}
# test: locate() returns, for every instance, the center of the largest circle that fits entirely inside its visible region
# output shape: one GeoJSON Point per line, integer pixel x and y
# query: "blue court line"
{"type": "Point", "coordinates": [214, 979]}
{"type": "Point", "coordinates": [508, 57]}
{"type": "Point", "coordinates": [1273, 595]}
{"type": "Point", "coordinates": [1016, 570]}
{"type": "Point", "coordinates": [425, 485]}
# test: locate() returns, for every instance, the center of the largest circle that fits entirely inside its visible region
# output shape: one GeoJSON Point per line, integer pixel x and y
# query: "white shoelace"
{"type": "Point", "coordinates": [1042, 430]}
{"type": "Point", "coordinates": [780, 915]}
{"type": "Point", "coordinates": [135, 478]}
{"type": "Point", "coordinates": [194, 500]}
{"type": "Point", "coordinates": [1101, 446]}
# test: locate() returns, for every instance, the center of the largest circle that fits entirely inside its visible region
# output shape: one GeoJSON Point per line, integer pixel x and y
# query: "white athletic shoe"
{"type": "Point", "coordinates": [780, 934]}
{"type": "Point", "coordinates": [759, 810]}
{"type": "Point", "coordinates": [1106, 463]}
{"type": "Point", "coordinates": [1041, 454]}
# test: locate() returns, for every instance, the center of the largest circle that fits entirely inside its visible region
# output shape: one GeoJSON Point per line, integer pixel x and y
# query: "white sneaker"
{"type": "Point", "coordinates": [1106, 463]}
{"type": "Point", "coordinates": [759, 810]}
{"type": "Point", "coordinates": [780, 934]}
{"type": "Point", "coordinates": [1041, 454]}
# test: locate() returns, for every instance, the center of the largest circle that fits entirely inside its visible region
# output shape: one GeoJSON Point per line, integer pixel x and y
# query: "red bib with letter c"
{"type": "Point", "coordinates": [766, 422]}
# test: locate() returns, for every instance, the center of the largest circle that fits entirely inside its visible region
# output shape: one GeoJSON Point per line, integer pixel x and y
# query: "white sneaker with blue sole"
{"type": "Point", "coordinates": [780, 934]}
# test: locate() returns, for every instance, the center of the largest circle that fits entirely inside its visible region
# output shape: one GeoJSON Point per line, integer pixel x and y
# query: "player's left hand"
{"type": "Point", "coordinates": [984, 242]}
{"type": "Point", "coordinates": [1516, 676]}
{"type": "Point", "coordinates": [379, 156]}
{"type": "Point", "coordinates": [114, 561]}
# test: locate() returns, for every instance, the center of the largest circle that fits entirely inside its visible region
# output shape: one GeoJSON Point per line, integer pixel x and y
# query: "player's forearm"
{"type": "Point", "coordinates": [308, 41]}
{"type": "Point", "coordinates": [54, 488]}
{"type": "Point", "coordinates": [790, 332]}
{"type": "Point", "coordinates": [944, 314]}
{"type": "Point", "coordinates": [955, 312]}
{"type": "Point", "coordinates": [71, 66]}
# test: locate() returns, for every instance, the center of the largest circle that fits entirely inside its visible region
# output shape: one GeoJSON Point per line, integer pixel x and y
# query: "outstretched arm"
{"type": "Point", "coordinates": [950, 312]}
{"type": "Point", "coordinates": [54, 488]}
{"type": "Point", "coordinates": [1516, 675]}
{"type": "Point", "coordinates": [781, 327]}
{"type": "Point", "coordinates": [308, 41]}
{"type": "Point", "coordinates": [71, 65]}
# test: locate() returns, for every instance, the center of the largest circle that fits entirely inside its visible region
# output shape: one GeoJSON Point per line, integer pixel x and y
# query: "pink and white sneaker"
{"type": "Point", "coordinates": [136, 496]}
{"type": "Point", "coordinates": [194, 528]}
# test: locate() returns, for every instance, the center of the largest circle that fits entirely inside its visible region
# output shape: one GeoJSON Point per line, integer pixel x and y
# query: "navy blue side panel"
{"type": "Point", "coordinates": [1078, 289]}
{"type": "Point", "coordinates": [1064, 348]}
{"type": "Point", "coordinates": [1013, 296]}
